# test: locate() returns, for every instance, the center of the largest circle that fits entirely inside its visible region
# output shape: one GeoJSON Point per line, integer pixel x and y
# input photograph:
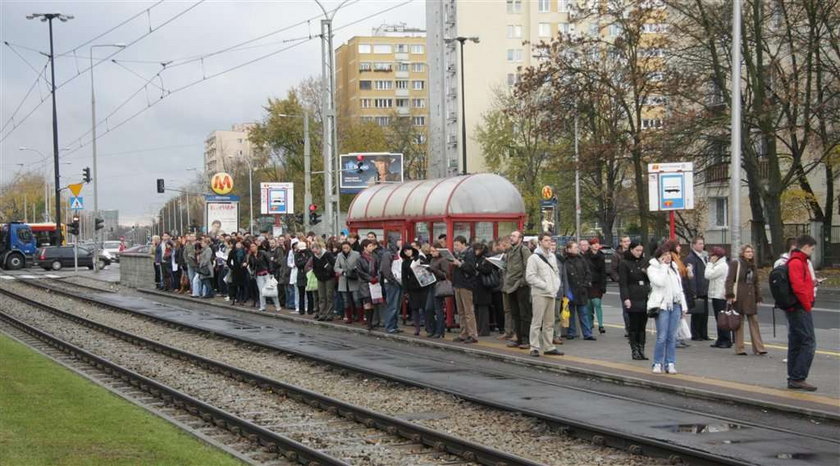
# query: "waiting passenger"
{"type": "Point", "coordinates": [668, 300]}
{"type": "Point", "coordinates": [743, 293]}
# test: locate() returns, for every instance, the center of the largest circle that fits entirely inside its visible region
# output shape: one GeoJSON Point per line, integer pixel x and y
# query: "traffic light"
{"type": "Point", "coordinates": [360, 163]}
{"type": "Point", "coordinates": [98, 224]}
{"type": "Point", "coordinates": [160, 187]}
{"type": "Point", "coordinates": [314, 217]}
{"type": "Point", "coordinates": [73, 227]}
{"type": "Point", "coordinates": [86, 174]}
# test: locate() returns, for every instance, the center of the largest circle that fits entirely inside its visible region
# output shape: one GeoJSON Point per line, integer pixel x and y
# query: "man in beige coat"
{"type": "Point", "coordinates": [542, 276]}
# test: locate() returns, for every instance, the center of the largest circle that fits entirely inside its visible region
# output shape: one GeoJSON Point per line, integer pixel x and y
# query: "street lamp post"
{"type": "Point", "coordinates": [461, 40]}
{"type": "Point", "coordinates": [250, 194]}
{"type": "Point", "coordinates": [93, 150]}
{"type": "Point", "coordinates": [48, 18]}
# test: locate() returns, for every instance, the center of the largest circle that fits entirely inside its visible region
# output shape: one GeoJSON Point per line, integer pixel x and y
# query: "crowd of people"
{"type": "Point", "coordinates": [534, 294]}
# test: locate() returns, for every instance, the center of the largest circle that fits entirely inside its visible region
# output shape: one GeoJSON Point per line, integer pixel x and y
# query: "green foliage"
{"type": "Point", "coordinates": [26, 190]}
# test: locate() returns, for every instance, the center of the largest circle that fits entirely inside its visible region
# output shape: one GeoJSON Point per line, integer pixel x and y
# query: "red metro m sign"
{"type": "Point", "coordinates": [221, 183]}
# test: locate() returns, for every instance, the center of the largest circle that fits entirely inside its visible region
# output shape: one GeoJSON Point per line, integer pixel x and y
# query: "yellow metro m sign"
{"type": "Point", "coordinates": [221, 183]}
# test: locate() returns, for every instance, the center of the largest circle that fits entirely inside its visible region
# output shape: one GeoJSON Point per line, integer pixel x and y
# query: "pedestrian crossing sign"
{"type": "Point", "coordinates": [77, 203]}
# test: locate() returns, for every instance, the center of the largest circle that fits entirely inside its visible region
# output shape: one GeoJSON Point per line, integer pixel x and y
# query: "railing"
{"type": "Point", "coordinates": [719, 173]}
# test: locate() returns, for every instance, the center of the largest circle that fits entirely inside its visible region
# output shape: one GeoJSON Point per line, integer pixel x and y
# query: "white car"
{"type": "Point", "coordinates": [111, 250]}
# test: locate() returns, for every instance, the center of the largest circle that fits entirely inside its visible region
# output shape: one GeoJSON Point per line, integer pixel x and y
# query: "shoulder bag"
{"type": "Point", "coordinates": [443, 289]}
{"type": "Point", "coordinates": [730, 319]}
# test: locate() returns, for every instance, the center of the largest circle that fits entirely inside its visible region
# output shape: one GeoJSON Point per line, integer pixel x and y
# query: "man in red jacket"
{"type": "Point", "coordinates": [802, 342]}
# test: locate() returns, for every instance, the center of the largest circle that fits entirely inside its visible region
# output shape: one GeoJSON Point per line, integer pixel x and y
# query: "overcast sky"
{"type": "Point", "coordinates": [167, 139]}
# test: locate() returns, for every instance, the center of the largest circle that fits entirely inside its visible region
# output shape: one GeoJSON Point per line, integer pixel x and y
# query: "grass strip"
{"type": "Point", "coordinates": [50, 415]}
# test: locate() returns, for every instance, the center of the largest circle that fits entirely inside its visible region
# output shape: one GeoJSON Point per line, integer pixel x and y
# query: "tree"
{"type": "Point", "coordinates": [403, 137]}
{"type": "Point", "coordinates": [24, 192]}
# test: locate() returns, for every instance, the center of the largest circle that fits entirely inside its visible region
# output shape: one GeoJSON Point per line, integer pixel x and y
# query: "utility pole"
{"type": "Point", "coordinates": [735, 158]}
{"type": "Point", "coordinates": [577, 173]}
{"type": "Point", "coordinates": [307, 169]}
{"type": "Point", "coordinates": [49, 17]}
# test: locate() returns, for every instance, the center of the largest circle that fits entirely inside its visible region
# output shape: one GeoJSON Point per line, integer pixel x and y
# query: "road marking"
{"type": "Point", "coordinates": [766, 306]}
{"type": "Point", "coordinates": [688, 378]}
{"type": "Point", "coordinates": [52, 276]}
{"type": "Point", "coordinates": [6, 277]}
{"type": "Point", "coordinates": [28, 276]}
{"type": "Point", "coordinates": [746, 342]}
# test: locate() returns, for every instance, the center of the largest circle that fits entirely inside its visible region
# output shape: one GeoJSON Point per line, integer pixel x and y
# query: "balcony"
{"type": "Point", "coordinates": [719, 172]}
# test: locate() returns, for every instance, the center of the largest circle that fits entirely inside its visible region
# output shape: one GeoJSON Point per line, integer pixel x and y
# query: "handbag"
{"type": "Point", "coordinates": [565, 313]}
{"type": "Point", "coordinates": [443, 289]}
{"type": "Point", "coordinates": [698, 307]}
{"type": "Point", "coordinates": [311, 281]}
{"type": "Point", "coordinates": [653, 312]}
{"type": "Point", "coordinates": [376, 293]}
{"type": "Point", "coordinates": [228, 276]}
{"type": "Point", "coordinates": [204, 271]}
{"type": "Point", "coordinates": [729, 319]}
{"type": "Point", "coordinates": [269, 290]}
{"type": "Point", "coordinates": [491, 280]}
{"type": "Point", "coordinates": [683, 332]}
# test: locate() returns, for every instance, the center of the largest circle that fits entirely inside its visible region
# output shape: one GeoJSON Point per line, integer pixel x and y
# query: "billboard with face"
{"type": "Point", "coordinates": [361, 170]}
{"type": "Point", "coordinates": [222, 217]}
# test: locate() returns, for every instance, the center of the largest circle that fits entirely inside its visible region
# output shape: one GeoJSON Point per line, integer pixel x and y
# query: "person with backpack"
{"type": "Point", "coordinates": [744, 295]}
{"type": "Point", "coordinates": [802, 342]}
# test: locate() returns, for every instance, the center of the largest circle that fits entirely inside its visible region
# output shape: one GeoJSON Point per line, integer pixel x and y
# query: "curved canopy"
{"type": "Point", "coordinates": [481, 194]}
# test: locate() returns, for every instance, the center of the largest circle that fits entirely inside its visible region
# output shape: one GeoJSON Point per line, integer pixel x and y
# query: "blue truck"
{"type": "Point", "coordinates": [17, 245]}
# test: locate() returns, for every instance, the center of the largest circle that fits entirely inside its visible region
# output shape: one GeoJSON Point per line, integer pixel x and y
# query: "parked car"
{"type": "Point", "coordinates": [58, 257]}
{"type": "Point", "coordinates": [111, 249]}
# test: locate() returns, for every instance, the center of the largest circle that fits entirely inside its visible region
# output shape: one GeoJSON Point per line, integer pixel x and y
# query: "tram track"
{"type": "Point", "coordinates": [635, 445]}
{"type": "Point", "coordinates": [352, 430]}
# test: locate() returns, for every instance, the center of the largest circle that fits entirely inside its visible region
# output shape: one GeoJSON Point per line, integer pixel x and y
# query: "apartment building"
{"type": "Point", "coordinates": [384, 76]}
{"type": "Point", "coordinates": [223, 145]}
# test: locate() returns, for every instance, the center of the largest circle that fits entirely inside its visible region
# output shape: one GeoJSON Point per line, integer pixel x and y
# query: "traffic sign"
{"type": "Point", "coordinates": [671, 186]}
{"type": "Point", "coordinates": [547, 193]}
{"type": "Point", "coordinates": [75, 188]}
{"type": "Point", "coordinates": [217, 198]}
{"type": "Point", "coordinates": [77, 203]}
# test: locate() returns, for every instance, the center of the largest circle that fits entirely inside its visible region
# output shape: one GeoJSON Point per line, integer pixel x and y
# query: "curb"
{"type": "Point", "coordinates": [521, 361]}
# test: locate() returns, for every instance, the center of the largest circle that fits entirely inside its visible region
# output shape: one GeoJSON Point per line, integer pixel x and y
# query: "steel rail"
{"type": "Point", "coordinates": [292, 450]}
{"type": "Point", "coordinates": [468, 450]}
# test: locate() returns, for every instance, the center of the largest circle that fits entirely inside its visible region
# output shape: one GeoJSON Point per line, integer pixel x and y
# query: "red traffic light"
{"type": "Point", "coordinates": [313, 207]}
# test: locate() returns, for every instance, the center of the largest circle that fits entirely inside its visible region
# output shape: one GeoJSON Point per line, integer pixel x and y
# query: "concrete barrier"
{"type": "Point", "coordinates": [137, 271]}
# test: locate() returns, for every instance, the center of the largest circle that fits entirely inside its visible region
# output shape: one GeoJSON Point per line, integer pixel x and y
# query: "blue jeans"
{"type": "Point", "coordinates": [440, 317]}
{"type": "Point", "coordinates": [802, 343]}
{"type": "Point", "coordinates": [338, 304]}
{"type": "Point", "coordinates": [393, 295]}
{"type": "Point", "coordinates": [582, 312]}
{"type": "Point", "coordinates": [667, 324]}
{"type": "Point", "coordinates": [206, 287]}
{"type": "Point", "coordinates": [290, 297]}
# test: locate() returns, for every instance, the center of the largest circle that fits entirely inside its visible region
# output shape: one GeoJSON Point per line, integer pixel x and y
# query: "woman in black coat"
{"type": "Point", "coordinates": [482, 295]}
{"type": "Point", "coordinates": [634, 287]}
{"type": "Point", "coordinates": [417, 295]}
{"type": "Point", "coordinates": [303, 262]}
{"type": "Point", "coordinates": [580, 279]}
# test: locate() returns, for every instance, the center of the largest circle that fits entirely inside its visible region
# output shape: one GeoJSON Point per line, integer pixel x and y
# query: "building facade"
{"type": "Point", "coordinates": [223, 145]}
{"type": "Point", "coordinates": [384, 76]}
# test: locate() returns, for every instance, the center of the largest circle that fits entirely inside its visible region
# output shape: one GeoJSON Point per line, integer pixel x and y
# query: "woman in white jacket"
{"type": "Point", "coordinates": [716, 271]}
{"type": "Point", "coordinates": [667, 295]}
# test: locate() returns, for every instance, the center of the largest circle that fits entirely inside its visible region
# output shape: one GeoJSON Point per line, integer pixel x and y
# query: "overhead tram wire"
{"type": "Point", "coordinates": [301, 41]}
{"type": "Point", "coordinates": [26, 96]}
{"type": "Point", "coordinates": [97, 63]}
{"type": "Point", "coordinates": [123, 23]}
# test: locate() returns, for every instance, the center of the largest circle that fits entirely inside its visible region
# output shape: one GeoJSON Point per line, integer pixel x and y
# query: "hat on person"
{"type": "Point", "coordinates": [301, 246]}
{"type": "Point", "coordinates": [295, 241]}
{"type": "Point", "coordinates": [594, 241]}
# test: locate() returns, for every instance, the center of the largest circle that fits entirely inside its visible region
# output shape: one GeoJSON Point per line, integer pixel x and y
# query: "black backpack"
{"type": "Point", "coordinates": [781, 289]}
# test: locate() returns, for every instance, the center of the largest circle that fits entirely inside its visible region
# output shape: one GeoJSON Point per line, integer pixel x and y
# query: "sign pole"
{"type": "Point", "coordinates": [76, 255]}
{"type": "Point", "coordinates": [673, 229]}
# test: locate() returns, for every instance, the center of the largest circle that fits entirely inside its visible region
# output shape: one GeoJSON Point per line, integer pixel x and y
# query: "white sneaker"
{"type": "Point", "coordinates": [657, 369]}
{"type": "Point", "coordinates": [227, 298]}
{"type": "Point", "coordinates": [671, 369]}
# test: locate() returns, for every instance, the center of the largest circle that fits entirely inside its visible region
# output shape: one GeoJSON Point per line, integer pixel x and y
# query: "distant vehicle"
{"type": "Point", "coordinates": [58, 257]}
{"type": "Point", "coordinates": [17, 245]}
{"type": "Point", "coordinates": [45, 233]}
{"type": "Point", "coordinates": [138, 249]}
{"type": "Point", "coordinates": [111, 249]}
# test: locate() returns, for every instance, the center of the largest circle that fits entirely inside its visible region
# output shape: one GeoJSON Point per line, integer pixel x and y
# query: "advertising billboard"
{"type": "Point", "coordinates": [277, 198]}
{"type": "Point", "coordinates": [361, 170]}
{"type": "Point", "coordinates": [222, 217]}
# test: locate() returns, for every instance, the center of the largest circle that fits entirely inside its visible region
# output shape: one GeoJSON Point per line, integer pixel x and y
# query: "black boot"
{"type": "Point", "coordinates": [634, 348]}
{"type": "Point", "coordinates": [640, 344]}
{"type": "Point", "coordinates": [369, 318]}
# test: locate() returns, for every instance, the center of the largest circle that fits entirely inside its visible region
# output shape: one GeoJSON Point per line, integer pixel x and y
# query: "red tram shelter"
{"type": "Point", "coordinates": [481, 206]}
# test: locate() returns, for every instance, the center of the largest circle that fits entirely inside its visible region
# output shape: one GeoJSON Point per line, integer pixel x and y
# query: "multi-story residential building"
{"type": "Point", "coordinates": [384, 76]}
{"type": "Point", "coordinates": [222, 145]}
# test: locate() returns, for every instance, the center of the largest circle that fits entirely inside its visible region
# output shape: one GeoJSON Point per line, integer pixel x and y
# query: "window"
{"type": "Point", "coordinates": [419, 138]}
{"type": "Point", "coordinates": [367, 119]}
{"type": "Point", "coordinates": [383, 85]}
{"type": "Point", "coordinates": [544, 30]}
{"type": "Point", "coordinates": [382, 48]}
{"type": "Point", "coordinates": [651, 123]}
{"type": "Point", "coordinates": [417, 49]}
{"type": "Point", "coordinates": [655, 100]}
{"type": "Point", "coordinates": [418, 103]}
{"type": "Point", "coordinates": [402, 84]}
{"type": "Point", "coordinates": [418, 85]}
{"type": "Point", "coordinates": [383, 103]}
{"type": "Point", "coordinates": [652, 53]}
{"type": "Point", "coordinates": [364, 85]}
{"type": "Point", "coordinates": [401, 48]}
{"type": "Point", "coordinates": [383, 120]}
{"type": "Point", "coordinates": [656, 77]}
{"type": "Point", "coordinates": [514, 6]}
{"type": "Point", "coordinates": [511, 79]}
{"type": "Point", "coordinates": [364, 103]}
{"type": "Point", "coordinates": [653, 28]}
{"type": "Point", "coordinates": [418, 67]}
{"type": "Point", "coordinates": [563, 6]}
{"type": "Point", "coordinates": [514, 31]}
{"type": "Point", "coordinates": [365, 66]}
{"type": "Point", "coordinates": [402, 66]}
{"type": "Point", "coordinates": [381, 66]}
{"type": "Point", "coordinates": [514, 55]}
{"type": "Point", "coordinates": [563, 27]}
{"type": "Point", "coordinates": [419, 121]}
{"type": "Point", "coordinates": [720, 209]}
{"type": "Point", "coordinates": [615, 30]}
{"type": "Point", "coordinates": [364, 48]}
{"type": "Point", "coordinates": [403, 103]}
{"type": "Point", "coordinates": [594, 30]}
{"type": "Point", "coordinates": [544, 6]}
